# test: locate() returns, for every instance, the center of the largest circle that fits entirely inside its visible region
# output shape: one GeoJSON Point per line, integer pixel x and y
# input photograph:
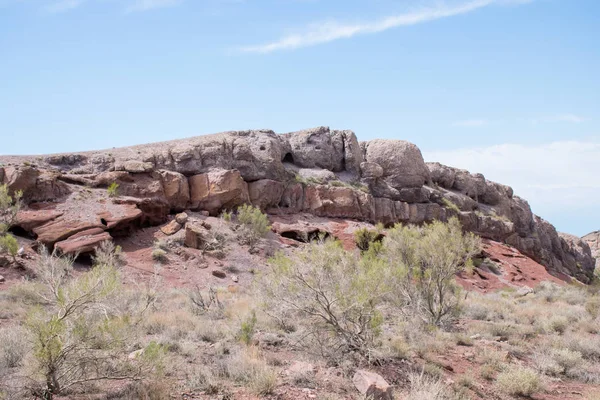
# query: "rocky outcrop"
{"type": "Point", "coordinates": [593, 241]}
{"type": "Point", "coordinates": [324, 172]}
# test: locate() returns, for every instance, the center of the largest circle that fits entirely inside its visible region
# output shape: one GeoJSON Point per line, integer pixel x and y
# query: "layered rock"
{"type": "Point", "coordinates": [324, 172]}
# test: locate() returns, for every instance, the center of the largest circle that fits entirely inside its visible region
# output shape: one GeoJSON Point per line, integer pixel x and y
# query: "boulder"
{"type": "Point", "coordinates": [181, 218]}
{"type": "Point", "coordinates": [401, 161]}
{"type": "Point", "coordinates": [217, 190]}
{"type": "Point", "coordinates": [292, 198]}
{"type": "Point", "coordinates": [83, 242]}
{"type": "Point", "coordinates": [195, 235]}
{"type": "Point", "coordinates": [176, 189]}
{"type": "Point", "coordinates": [61, 228]}
{"type": "Point", "coordinates": [171, 228]}
{"type": "Point", "coordinates": [219, 274]}
{"type": "Point", "coordinates": [372, 385]}
{"type": "Point", "coordinates": [265, 193]}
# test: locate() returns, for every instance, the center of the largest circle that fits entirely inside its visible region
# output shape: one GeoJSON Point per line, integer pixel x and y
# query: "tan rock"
{"type": "Point", "coordinates": [195, 235]}
{"type": "Point", "coordinates": [181, 218]}
{"type": "Point", "coordinates": [218, 189]}
{"type": "Point", "coordinates": [171, 228]}
{"type": "Point", "coordinates": [176, 189]}
{"type": "Point", "coordinates": [372, 385]}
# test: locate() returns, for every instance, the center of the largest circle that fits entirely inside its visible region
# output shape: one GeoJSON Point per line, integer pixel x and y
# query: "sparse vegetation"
{"type": "Point", "coordinates": [365, 238]}
{"type": "Point", "coordinates": [520, 381]}
{"type": "Point", "coordinates": [113, 189]}
{"type": "Point", "coordinates": [450, 205]}
{"type": "Point", "coordinates": [254, 224]}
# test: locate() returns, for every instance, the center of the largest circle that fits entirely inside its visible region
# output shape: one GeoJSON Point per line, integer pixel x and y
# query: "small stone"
{"type": "Point", "coordinates": [135, 354]}
{"type": "Point", "coordinates": [2, 279]}
{"type": "Point", "coordinates": [234, 278]}
{"type": "Point", "coordinates": [204, 213]}
{"type": "Point", "coordinates": [181, 218]}
{"type": "Point", "coordinates": [219, 274]}
{"type": "Point", "coordinates": [372, 385]}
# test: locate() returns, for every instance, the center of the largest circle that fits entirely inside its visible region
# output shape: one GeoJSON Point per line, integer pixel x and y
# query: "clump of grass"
{"type": "Point", "coordinates": [113, 189]}
{"type": "Point", "coordinates": [159, 255]}
{"type": "Point", "coordinates": [450, 205]}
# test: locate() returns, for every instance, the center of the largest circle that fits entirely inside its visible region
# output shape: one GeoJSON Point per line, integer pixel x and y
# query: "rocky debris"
{"type": "Point", "coordinates": [219, 274]}
{"type": "Point", "coordinates": [217, 190]}
{"type": "Point", "coordinates": [299, 368]}
{"type": "Point", "coordinates": [372, 385]}
{"type": "Point", "coordinates": [171, 228]}
{"type": "Point", "coordinates": [83, 242]}
{"type": "Point", "coordinates": [222, 171]}
{"type": "Point", "coordinates": [2, 279]}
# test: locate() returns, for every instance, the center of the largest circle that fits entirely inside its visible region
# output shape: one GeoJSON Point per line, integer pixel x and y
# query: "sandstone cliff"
{"type": "Point", "coordinates": [319, 171]}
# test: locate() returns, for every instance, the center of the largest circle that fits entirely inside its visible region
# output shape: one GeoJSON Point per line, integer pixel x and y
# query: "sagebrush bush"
{"type": "Point", "coordinates": [9, 207]}
{"type": "Point", "coordinates": [254, 224]}
{"type": "Point", "coordinates": [520, 381]}
{"type": "Point", "coordinates": [13, 346]}
{"type": "Point", "coordinates": [364, 238]}
{"type": "Point", "coordinates": [9, 245]}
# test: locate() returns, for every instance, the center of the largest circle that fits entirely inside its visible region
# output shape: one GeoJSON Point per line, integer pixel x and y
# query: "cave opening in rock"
{"type": "Point", "coordinates": [306, 237]}
{"type": "Point", "coordinates": [288, 158]}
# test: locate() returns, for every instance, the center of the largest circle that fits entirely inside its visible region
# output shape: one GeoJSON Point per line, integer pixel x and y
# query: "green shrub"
{"type": "Point", "coordinates": [519, 381]}
{"type": "Point", "coordinates": [254, 224]}
{"type": "Point", "coordinates": [335, 294]}
{"type": "Point", "coordinates": [113, 189]}
{"type": "Point", "coordinates": [365, 237]}
{"type": "Point", "coordinates": [9, 208]}
{"type": "Point", "coordinates": [247, 329]}
{"type": "Point", "coordinates": [427, 260]}
{"type": "Point", "coordinates": [159, 255]}
{"type": "Point", "coordinates": [9, 244]}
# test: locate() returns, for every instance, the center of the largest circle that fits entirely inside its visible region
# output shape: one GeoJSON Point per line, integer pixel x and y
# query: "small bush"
{"type": "Point", "coordinates": [247, 329]}
{"type": "Point", "coordinates": [9, 244]}
{"type": "Point", "coordinates": [159, 255]}
{"type": "Point", "coordinates": [247, 367]}
{"type": "Point", "coordinates": [365, 237]}
{"type": "Point", "coordinates": [226, 215]}
{"type": "Point", "coordinates": [13, 347]}
{"type": "Point", "coordinates": [254, 224]}
{"type": "Point", "coordinates": [520, 381]}
{"type": "Point", "coordinates": [424, 387]}
{"type": "Point", "coordinates": [113, 189]}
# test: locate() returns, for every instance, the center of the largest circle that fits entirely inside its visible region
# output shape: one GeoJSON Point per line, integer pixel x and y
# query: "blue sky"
{"type": "Point", "coordinates": [509, 88]}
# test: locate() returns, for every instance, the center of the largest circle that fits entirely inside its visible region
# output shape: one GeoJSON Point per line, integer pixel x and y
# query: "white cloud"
{"type": "Point", "coordinates": [330, 31]}
{"type": "Point", "coordinates": [471, 123]}
{"type": "Point", "coordinates": [572, 118]}
{"type": "Point", "coordinates": [145, 5]}
{"type": "Point", "coordinates": [555, 178]}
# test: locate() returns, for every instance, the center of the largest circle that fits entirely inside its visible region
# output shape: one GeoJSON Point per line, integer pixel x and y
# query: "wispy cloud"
{"type": "Point", "coordinates": [63, 5]}
{"type": "Point", "coordinates": [570, 118]}
{"type": "Point", "coordinates": [330, 31]}
{"type": "Point", "coordinates": [146, 5]}
{"type": "Point", "coordinates": [470, 123]}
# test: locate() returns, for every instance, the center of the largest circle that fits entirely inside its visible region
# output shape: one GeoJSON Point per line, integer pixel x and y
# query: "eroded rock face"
{"type": "Point", "coordinates": [217, 190]}
{"type": "Point", "coordinates": [593, 241]}
{"type": "Point", "coordinates": [336, 177]}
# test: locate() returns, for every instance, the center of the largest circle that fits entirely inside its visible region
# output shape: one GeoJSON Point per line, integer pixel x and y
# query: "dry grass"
{"type": "Point", "coordinates": [519, 381]}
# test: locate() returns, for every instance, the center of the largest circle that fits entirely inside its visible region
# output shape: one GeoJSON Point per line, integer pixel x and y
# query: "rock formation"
{"type": "Point", "coordinates": [593, 240]}
{"type": "Point", "coordinates": [327, 173]}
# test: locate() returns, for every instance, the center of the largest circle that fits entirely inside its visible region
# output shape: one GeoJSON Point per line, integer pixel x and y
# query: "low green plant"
{"type": "Point", "coordinates": [364, 238]}
{"type": "Point", "coordinates": [254, 224]}
{"type": "Point", "coordinates": [9, 244]}
{"type": "Point", "coordinates": [226, 215]}
{"type": "Point", "coordinates": [247, 329]}
{"type": "Point", "coordinates": [450, 204]}
{"type": "Point", "coordinates": [113, 189]}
